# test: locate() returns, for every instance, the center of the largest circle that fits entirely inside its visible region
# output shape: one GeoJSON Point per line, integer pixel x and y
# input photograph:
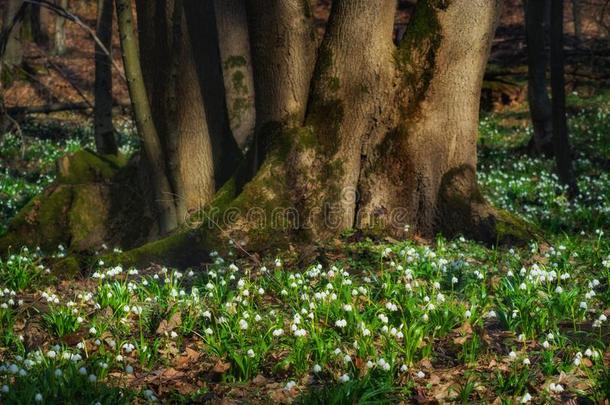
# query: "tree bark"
{"type": "Point", "coordinates": [151, 143]}
{"type": "Point", "coordinates": [59, 43]}
{"type": "Point", "coordinates": [283, 54]}
{"type": "Point", "coordinates": [13, 53]}
{"type": "Point", "coordinates": [577, 17]}
{"type": "Point", "coordinates": [102, 113]}
{"type": "Point", "coordinates": [237, 67]}
{"type": "Point", "coordinates": [36, 27]}
{"type": "Point", "coordinates": [194, 128]}
{"type": "Point", "coordinates": [537, 94]}
{"type": "Point", "coordinates": [561, 141]}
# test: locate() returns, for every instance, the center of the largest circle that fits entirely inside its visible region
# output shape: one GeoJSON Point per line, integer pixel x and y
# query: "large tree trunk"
{"type": "Point", "coordinates": [388, 138]}
{"type": "Point", "coordinates": [102, 114]}
{"type": "Point", "coordinates": [283, 48]}
{"type": "Point", "coordinates": [577, 17]}
{"type": "Point", "coordinates": [234, 44]}
{"type": "Point", "coordinates": [184, 80]}
{"type": "Point", "coordinates": [561, 142]}
{"type": "Point", "coordinates": [537, 94]}
{"type": "Point", "coordinates": [379, 139]}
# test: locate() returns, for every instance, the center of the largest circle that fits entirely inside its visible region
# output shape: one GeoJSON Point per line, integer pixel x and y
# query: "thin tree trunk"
{"type": "Point", "coordinates": [13, 53]}
{"type": "Point", "coordinates": [102, 113]}
{"type": "Point", "coordinates": [577, 17]}
{"type": "Point", "coordinates": [537, 94]}
{"type": "Point", "coordinates": [561, 142]}
{"type": "Point", "coordinates": [59, 44]}
{"type": "Point", "coordinates": [151, 144]}
{"type": "Point", "coordinates": [36, 27]}
{"type": "Point", "coordinates": [234, 44]}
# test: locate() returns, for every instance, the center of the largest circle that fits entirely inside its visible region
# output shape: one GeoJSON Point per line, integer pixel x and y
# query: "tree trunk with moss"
{"type": "Point", "coordinates": [234, 48]}
{"type": "Point", "coordinates": [362, 135]}
{"type": "Point", "coordinates": [387, 143]}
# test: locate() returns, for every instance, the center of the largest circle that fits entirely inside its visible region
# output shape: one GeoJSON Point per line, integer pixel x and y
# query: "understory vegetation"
{"type": "Point", "coordinates": [371, 321]}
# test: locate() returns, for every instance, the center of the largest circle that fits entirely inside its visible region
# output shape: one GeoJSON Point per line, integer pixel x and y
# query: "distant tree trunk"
{"type": "Point", "coordinates": [102, 113]}
{"type": "Point", "coordinates": [537, 94]}
{"type": "Point", "coordinates": [561, 142]}
{"type": "Point", "coordinates": [577, 17]}
{"type": "Point", "coordinates": [237, 67]}
{"type": "Point", "coordinates": [59, 43]}
{"type": "Point", "coordinates": [36, 26]}
{"type": "Point", "coordinates": [13, 54]}
{"type": "Point", "coordinates": [151, 144]}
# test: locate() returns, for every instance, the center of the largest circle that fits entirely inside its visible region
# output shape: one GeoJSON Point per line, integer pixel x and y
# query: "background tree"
{"type": "Point", "coordinates": [102, 114]}
{"type": "Point", "coordinates": [561, 141]}
{"type": "Point", "coordinates": [537, 14]}
{"type": "Point", "coordinates": [59, 38]}
{"type": "Point", "coordinates": [13, 53]}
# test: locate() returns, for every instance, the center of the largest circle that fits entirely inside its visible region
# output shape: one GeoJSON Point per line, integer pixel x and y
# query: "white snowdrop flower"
{"type": "Point", "coordinates": [22, 373]}
{"type": "Point", "coordinates": [347, 358]}
{"type": "Point", "coordinates": [583, 305]}
{"type": "Point", "coordinates": [209, 331]}
{"type": "Point", "coordinates": [344, 378]}
{"type": "Point", "coordinates": [391, 306]}
{"type": "Point", "coordinates": [369, 364]}
{"type": "Point", "coordinates": [5, 389]}
{"type": "Point", "coordinates": [58, 373]}
{"type": "Point", "coordinates": [454, 280]}
{"type": "Point", "coordinates": [129, 369]}
{"type": "Point", "coordinates": [437, 285]}
{"type": "Point", "coordinates": [92, 378]}
{"type": "Point", "coordinates": [278, 332]}
{"type": "Point", "coordinates": [284, 292]}
{"type": "Point", "coordinates": [467, 314]}
{"type": "Point", "coordinates": [250, 353]}
{"type": "Point", "coordinates": [577, 361]}
{"type": "Point", "coordinates": [173, 335]}
{"type": "Point", "coordinates": [421, 374]}
{"type": "Point", "coordinates": [300, 332]}
{"type": "Point", "coordinates": [526, 361]}
{"type": "Point", "coordinates": [51, 354]}
{"type": "Point", "coordinates": [491, 314]}
{"type": "Point", "coordinates": [557, 388]}
{"type": "Point", "coordinates": [82, 371]}
{"type": "Point", "coordinates": [523, 286]}
{"type": "Point", "coordinates": [558, 290]}
{"type": "Point", "coordinates": [366, 332]}
{"type": "Point", "coordinates": [425, 317]}
{"type": "Point", "coordinates": [404, 368]}
{"type": "Point", "coordinates": [521, 338]}
{"type": "Point", "coordinates": [290, 385]}
{"type": "Point", "coordinates": [38, 397]}
{"type": "Point", "coordinates": [347, 307]}
{"type": "Point", "coordinates": [243, 324]}
{"type": "Point", "coordinates": [526, 398]}
{"type": "Point", "coordinates": [602, 318]}
{"type": "Point", "coordinates": [119, 358]}
{"type": "Point", "coordinates": [92, 330]}
{"type": "Point", "coordinates": [341, 323]}
{"type": "Point", "coordinates": [317, 368]}
{"type": "Point", "coordinates": [512, 355]}
{"type": "Point", "coordinates": [588, 353]}
{"type": "Point", "coordinates": [13, 369]}
{"type": "Point", "coordinates": [337, 351]}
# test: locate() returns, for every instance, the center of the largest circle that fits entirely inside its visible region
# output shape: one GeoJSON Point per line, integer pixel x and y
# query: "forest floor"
{"type": "Point", "coordinates": [376, 321]}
